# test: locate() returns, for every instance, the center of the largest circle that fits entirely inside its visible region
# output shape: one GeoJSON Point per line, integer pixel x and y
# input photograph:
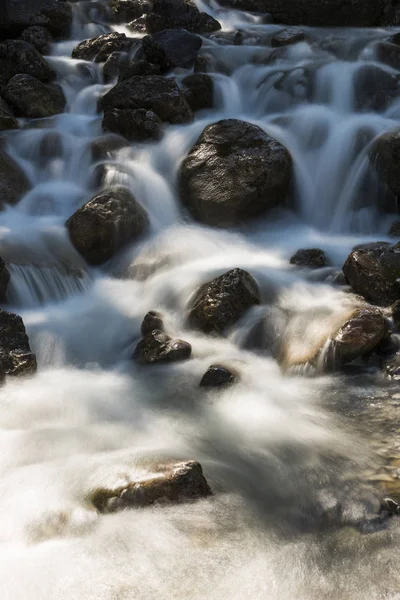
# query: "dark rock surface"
{"type": "Point", "coordinates": [7, 118]}
{"type": "Point", "coordinates": [123, 11]}
{"type": "Point", "coordinates": [313, 258]}
{"type": "Point", "coordinates": [152, 320]}
{"type": "Point", "coordinates": [139, 67]}
{"type": "Point", "coordinates": [31, 98]}
{"type": "Point", "coordinates": [17, 56]}
{"type": "Point", "coordinates": [13, 181]}
{"type": "Point", "coordinates": [98, 49]}
{"type": "Point", "coordinates": [374, 88]}
{"type": "Point", "coordinates": [157, 347]}
{"type": "Point", "coordinates": [39, 37]}
{"type": "Point", "coordinates": [172, 48]}
{"type": "Point", "coordinates": [217, 376]}
{"type": "Point", "coordinates": [173, 14]}
{"type": "Point", "coordinates": [18, 15]}
{"type": "Point", "coordinates": [138, 125]}
{"type": "Point", "coordinates": [287, 37]}
{"type": "Point", "coordinates": [384, 156]}
{"type": "Point", "coordinates": [4, 280]}
{"type": "Point", "coordinates": [16, 356]}
{"type": "Point", "coordinates": [199, 91]}
{"type": "Point", "coordinates": [359, 335]}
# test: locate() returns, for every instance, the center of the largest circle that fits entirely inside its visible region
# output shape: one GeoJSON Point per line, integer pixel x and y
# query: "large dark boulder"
{"type": "Point", "coordinates": [139, 67]}
{"type": "Point", "coordinates": [17, 15]}
{"type": "Point", "coordinates": [374, 88]}
{"type": "Point", "coordinates": [235, 171]}
{"type": "Point", "coordinates": [157, 347]}
{"type": "Point", "coordinates": [172, 48]}
{"type": "Point", "coordinates": [219, 303]}
{"type": "Point", "coordinates": [98, 49]}
{"type": "Point", "coordinates": [159, 94]}
{"type": "Point", "coordinates": [375, 274]}
{"type": "Point", "coordinates": [138, 125]}
{"type": "Point", "coordinates": [30, 98]}
{"type": "Point", "coordinates": [39, 37]}
{"type": "Point", "coordinates": [16, 356]}
{"type": "Point", "coordinates": [17, 56]}
{"type": "Point", "coordinates": [7, 118]}
{"type": "Point", "coordinates": [105, 224]}
{"type": "Point", "coordinates": [177, 14]}
{"type": "Point", "coordinates": [13, 181]}
{"type": "Point", "coordinates": [384, 156]}
{"type": "Point", "coordinates": [199, 91]}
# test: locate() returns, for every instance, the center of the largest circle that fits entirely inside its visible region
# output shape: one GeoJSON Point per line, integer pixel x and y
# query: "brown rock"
{"type": "Point", "coordinates": [217, 376]}
{"type": "Point", "coordinates": [152, 320]}
{"type": "Point", "coordinates": [158, 347]}
{"type": "Point", "coordinates": [359, 335]}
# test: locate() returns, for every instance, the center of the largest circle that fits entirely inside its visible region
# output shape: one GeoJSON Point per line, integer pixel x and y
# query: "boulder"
{"type": "Point", "coordinates": [106, 224]}
{"type": "Point", "coordinates": [13, 181]}
{"type": "Point", "coordinates": [139, 67]}
{"type": "Point", "coordinates": [179, 14]}
{"type": "Point", "coordinates": [17, 56]}
{"type": "Point", "coordinates": [159, 94]}
{"type": "Point", "coordinates": [217, 376]}
{"type": "Point", "coordinates": [374, 88]}
{"type": "Point", "coordinates": [123, 11]}
{"type": "Point", "coordinates": [152, 320]}
{"type": "Point", "coordinates": [39, 37]}
{"type": "Point", "coordinates": [287, 37]}
{"type": "Point", "coordinates": [7, 119]}
{"type": "Point", "coordinates": [157, 347]}
{"type": "Point", "coordinates": [30, 98]}
{"type": "Point", "coordinates": [219, 303]}
{"type": "Point", "coordinates": [138, 125]}
{"type": "Point", "coordinates": [17, 15]}
{"type": "Point", "coordinates": [388, 54]}
{"type": "Point", "coordinates": [172, 48]}
{"type": "Point", "coordinates": [168, 483]}
{"type": "Point", "coordinates": [4, 281]}
{"type": "Point", "coordinates": [384, 156]}
{"type": "Point", "coordinates": [106, 146]}
{"type": "Point", "coordinates": [16, 356]}
{"type": "Point", "coordinates": [235, 171]}
{"type": "Point", "coordinates": [313, 258]}
{"type": "Point", "coordinates": [375, 274]}
{"type": "Point", "coordinates": [199, 91]}
{"type": "Point", "coordinates": [98, 49]}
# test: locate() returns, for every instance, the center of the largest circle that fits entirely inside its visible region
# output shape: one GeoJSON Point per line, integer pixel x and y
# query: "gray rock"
{"type": "Point", "coordinates": [288, 37]}
{"type": "Point", "coordinates": [360, 335]}
{"type": "Point", "coordinates": [98, 49]}
{"type": "Point", "coordinates": [30, 98]}
{"type": "Point", "coordinates": [313, 258]}
{"type": "Point", "coordinates": [114, 65]}
{"type": "Point", "coordinates": [16, 356]}
{"type": "Point", "coordinates": [17, 56]}
{"type": "Point", "coordinates": [199, 91]}
{"type": "Point", "coordinates": [388, 54]}
{"type": "Point", "coordinates": [177, 14]}
{"type": "Point", "coordinates": [158, 347]}
{"type": "Point", "coordinates": [138, 125]}
{"type": "Point", "coordinates": [139, 67]}
{"type": "Point", "coordinates": [172, 48]}
{"type": "Point", "coordinates": [13, 181]}
{"type": "Point", "coordinates": [123, 11]}
{"type": "Point", "coordinates": [7, 119]}
{"type": "Point", "coordinates": [39, 37]}
{"type": "Point", "coordinates": [18, 15]}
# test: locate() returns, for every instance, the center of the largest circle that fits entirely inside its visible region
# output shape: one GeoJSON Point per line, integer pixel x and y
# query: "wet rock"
{"type": "Point", "coordinates": [170, 483]}
{"type": "Point", "coordinates": [139, 67]}
{"type": "Point", "coordinates": [98, 49]}
{"type": "Point", "coordinates": [159, 94]}
{"type": "Point", "coordinates": [152, 320]}
{"type": "Point", "coordinates": [172, 48]}
{"type": "Point", "coordinates": [158, 347]}
{"type": "Point", "coordinates": [395, 314]}
{"type": "Point", "coordinates": [30, 98]}
{"type": "Point", "coordinates": [177, 14]}
{"type": "Point", "coordinates": [235, 171]}
{"type": "Point", "coordinates": [199, 91]}
{"type": "Point", "coordinates": [219, 303]}
{"type": "Point", "coordinates": [39, 37]}
{"type": "Point", "coordinates": [17, 56]}
{"type": "Point", "coordinates": [374, 274]}
{"type": "Point", "coordinates": [138, 25]}
{"type": "Point", "coordinates": [115, 63]}
{"type": "Point", "coordinates": [361, 334]}
{"type": "Point", "coordinates": [267, 334]}
{"type": "Point", "coordinates": [313, 258]}
{"type": "Point", "coordinates": [287, 37]}
{"type": "Point", "coordinates": [374, 88]}
{"type": "Point", "coordinates": [138, 125]}
{"type": "Point", "coordinates": [105, 224]}
{"type": "Point", "coordinates": [204, 64]}
{"type": "Point", "coordinates": [394, 231]}
{"type": "Point", "coordinates": [13, 181]}
{"type": "Point", "coordinates": [123, 11]}
{"type": "Point", "coordinates": [389, 54]}
{"type": "Point", "coordinates": [18, 15]}
{"type": "Point", "coordinates": [7, 119]}
{"type": "Point", "coordinates": [392, 367]}
{"type": "Point", "coordinates": [217, 376]}
{"type": "Point", "coordinates": [4, 280]}
{"type": "Point", "coordinates": [106, 146]}
{"type": "Point", "coordinates": [384, 156]}
{"type": "Point", "coordinates": [16, 355]}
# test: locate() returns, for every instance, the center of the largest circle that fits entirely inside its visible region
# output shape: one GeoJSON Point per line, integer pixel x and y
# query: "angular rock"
{"type": "Point", "coordinates": [361, 334]}
{"type": "Point", "coordinates": [217, 376]}
{"type": "Point", "coordinates": [123, 11]}
{"type": "Point", "coordinates": [98, 49]}
{"type": "Point", "coordinates": [158, 347]}
{"type": "Point", "coordinates": [374, 88]}
{"type": "Point", "coordinates": [30, 98]}
{"type": "Point", "coordinates": [18, 15]}
{"type": "Point", "coordinates": [106, 224]}
{"type": "Point", "coordinates": [13, 181]}
{"type": "Point", "coordinates": [16, 355]}
{"type": "Point", "coordinates": [17, 56]}
{"type": "Point", "coordinates": [159, 94]}
{"type": "Point", "coordinates": [169, 483]}
{"type": "Point", "coordinates": [138, 125]}
{"type": "Point", "coordinates": [235, 171]}
{"type": "Point", "coordinates": [7, 119]}
{"type": "Point", "coordinates": [384, 156]}
{"type": "Point", "coordinates": [39, 37]}
{"type": "Point", "coordinates": [172, 48]}
{"type": "Point", "coordinates": [139, 67]}
{"type": "Point", "coordinates": [199, 91]}
{"type": "Point", "coordinates": [313, 258]}
{"type": "Point", "coordinates": [287, 37]}
{"type": "Point", "coordinates": [177, 14]}
{"type": "Point", "coordinates": [219, 303]}
{"type": "Point", "coordinates": [152, 320]}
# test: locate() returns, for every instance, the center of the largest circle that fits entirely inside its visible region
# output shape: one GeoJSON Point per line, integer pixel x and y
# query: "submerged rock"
{"type": "Point", "coordinates": [235, 171]}
{"type": "Point", "coordinates": [173, 14]}
{"type": "Point", "coordinates": [313, 258]}
{"type": "Point", "coordinates": [13, 181]}
{"type": "Point", "coordinates": [18, 15]}
{"type": "Point", "coordinates": [158, 347]}
{"type": "Point", "coordinates": [98, 49]}
{"type": "Point", "coordinates": [137, 125]}
{"type": "Point", "coordinates": [219, 303]}
{"type": "Point", "coordinates": [199, 91]}
{"type": "Point", "coordinates": [17, 56]}
{"type": "Point", "coordinates": [30, 98]}
{"type": "Point", "coordinates": [107, 223]}
{"type": "Point", "coordinates": [172, 48]}
{"type": "Point", "coordinates": [16, 356]}
{"type": "Point", "coordinates": [39, 37]}
{"type": "Point", "coordinates": [217, 376]}
{"type": "Point", "coordinates": [152, 320]}
{"type": "Point", "coordinates": [170, 483]}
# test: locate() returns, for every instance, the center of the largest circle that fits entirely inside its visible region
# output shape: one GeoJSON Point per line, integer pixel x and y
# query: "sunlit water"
{"type": "Point", "coordinates": [277, 449]}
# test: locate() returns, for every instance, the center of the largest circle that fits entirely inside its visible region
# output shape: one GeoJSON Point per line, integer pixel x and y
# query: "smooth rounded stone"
{"type": "Point", "coordinates": [115, 63]}
{"type": "Point", "coordinates": [139, 67]}
{"type": "Point", "coordinates": [199, 91]}
{"type": "Point", "coordinates": [374, 88]}
{"type": "Point", "coordinates": [123, 11]}
{"type": "Point", "coordinates": [152, 320]}
{"type": "Point", "coordinates": [106, 146]}
{"type": "Point", "coordinates": [98, 49]}
{"type": "Point", "coordinates": [374, 274]}
{"type": "Point", "coordinates": [106, 224]}
{"type": "Point", "coordinates": [13, 181]}
{"type": "Point", "coordinates": [389, 54]}
{"type": "Point", "coordinates": [166, 484]}
{"type": "Point", "coordinates": [18, 15]}
{"type": "Point", "coordinates": [177, 14]}
{"type": "Point", "coordinates": [17, 56]}
{"type": "Point", "coordinates": [157, 347]}
{"type": "Point", "coordinates": [217, 376]}
{"type": "Point", "coordinates": [30, 98]}
{"type": "Point", "coordinates": [159, 94]}
{"type": "Point", "coordinates": [219, 303]}
{"type": "Point", "coordinates": [138, 125]}
{"type": "Point", "coordinates": [235, 171]}
{"type": "Point", "coordinates": [287, 37]}
{"type": "Point", "coordinates": [39, 37]}
{"type": "Point", "coordinates": [394, 230]}
{"type": "Point", "coordinates": [312, 258]}
{"type": "Point", "coordinates": [16, 355]}
{"type": "Point", "coordinates": [172, 48]}
{"type": "Point", "coordinates": [384, 156]}
{"type": "Point", "coordinates": [7, 119]}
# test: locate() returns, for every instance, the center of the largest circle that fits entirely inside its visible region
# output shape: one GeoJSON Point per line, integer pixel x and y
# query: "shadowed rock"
{"type": "Point", "coordinates": [13, 181]}
{"type": "Point", "coordinates": [16, 356]}
{"type": "Point", "coordinates": [30, 98]}
{"type": "Point", "coordinates": [312, 258]}
{"type": "Point", "coordinates": [102, 46]}
{"type": "Point", "coordinates": [173, 14]}
{"type": "Point", "coordinates": [158, 347]}
{"type": "Point", "coordinates": [7, 118]}
{"type": "Point", "coordinates": [138, 125]}
{"type": "Point", "coordinates": [39, 37]}
{"type": "Point", "coordinates": [172, 48]}
{"type": "Point", "coordinates": [18, 15]}
{"type": "Point", "coordinates": [217, 376]}
{"type": "Point", "coordinates": [199, 91]}
{"type": "Point", "coordinates": [17, 56]}
{"type": "Point", "coordinates": [152, 320]}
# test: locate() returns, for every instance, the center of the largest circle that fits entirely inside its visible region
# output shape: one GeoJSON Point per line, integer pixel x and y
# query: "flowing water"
{"type": "Point", "coordinates": [283, 453]}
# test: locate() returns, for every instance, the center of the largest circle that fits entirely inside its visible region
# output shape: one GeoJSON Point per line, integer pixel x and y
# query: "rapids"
{"type": "Point", "coordinates": [279, 450]}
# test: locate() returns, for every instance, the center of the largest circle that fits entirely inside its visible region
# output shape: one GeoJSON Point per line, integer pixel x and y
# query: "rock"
{"type": "Point", "coordinates": [139, 67]}
{"type": "Point", "coordinates": [177, 14]}
{"type": "Point", "coordinates": [7, 119]}
{"type": "Point", "coordinates": [98, 49]}
{"type": "Point", "coordinates": [172, 48]}
{"type": "Point", "coordinates": [384, 156]}
{"type": "Point", "coordinates": [13, 181]}
{"type": "Point", "coordinates": [374, 274]}
{"type": "Point", "coordinates": [17, 56]}
{"type": "Point", "coordinates": [217, 376]}
{"type": "Point", "coordinates": [169, 483]}
{"type": "Point", "coordinates": [16, 356]}
{"type": "Point", "coordinates": [313, 258]}
{"type": "Point", "coordinates": [30, 98]}
{"type": "Point", "coordinates": [39, 37]}
{"type": "Point", "coordinates": [18, 15]}
{"type": "Point", "coordinates": [138, 25]}
{"type": "Point", "coordinates": [388, 54]}
{"type": "Point", "coordinates": [123, 11]}
{"type": "Point", "coordinates": [392, 367]}
{"type": "Point", "coordinates": [394, 231]}
{"type": "Point", "coordinates": [138, 125]}
{"type": "Point", "coordinates": [106, 146]}
{"type": "Point", "coordinates": [287, 37]}
{"type": "Point", "coordinates": [115, 63]}
{"type": "Point", "coordinates": [4, 281]}
{"type": "Point", "coordinates": [107, 223]}
{"type": "Point", "coordinates": [158, 347]}
{"type": "Point", "coordinates": [267, 334]}
{"type": "Point", "coordinates": [152, 320]}
{"type": "Point", "coordinates": [374, 88]}
{"type": "Point", "coordinates": [159, 94]}
{"type": "Point", "coordinates": [395, 314]}
{"type": "Point", "coordinates": [199, 91]}
{"type": "Point", "coordinates": [235, 171]}
{"type": "Point", "coordinates": [219, 303]}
